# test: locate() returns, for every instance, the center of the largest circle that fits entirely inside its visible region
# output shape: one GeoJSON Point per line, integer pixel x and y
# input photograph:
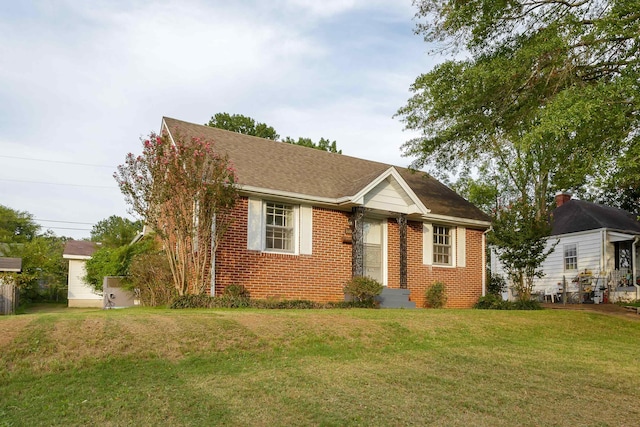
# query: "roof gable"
{"type": "Point", "coordinates": [580, 215]}
{"type": "Point", "coordinates": [80, 249]}
{"type": "Point", "coordinates": [277, 168]}
{"type": "Point", "coordinates": [390, 192]}
{"type": "Point", "coordinates": [13, 265]}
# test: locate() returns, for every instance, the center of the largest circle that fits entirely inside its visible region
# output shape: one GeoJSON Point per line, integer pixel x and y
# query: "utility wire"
{"type": "Point", "coordinates": [66, 222]}
{"type": "Point", "coordinates": [57, 183]}
{"type": "Point", "coordinates": [70, 228]}
{"type": "Point", "coordinates": [57, 161]}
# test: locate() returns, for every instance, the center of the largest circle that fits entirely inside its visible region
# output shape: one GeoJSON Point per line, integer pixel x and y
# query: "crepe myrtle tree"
{"type": "Point", "coordinates": [184, 191]}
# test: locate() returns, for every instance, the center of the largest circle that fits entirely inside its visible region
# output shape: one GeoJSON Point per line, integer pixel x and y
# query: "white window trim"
{"type": "Point", "coordinates": [296, 229]}
{"type": "Point", "coordinates": [564, 257]}
{"type": "Point", "coordinates": [257, 227]}
{"type": "Point", "coordinates": [458, 245]}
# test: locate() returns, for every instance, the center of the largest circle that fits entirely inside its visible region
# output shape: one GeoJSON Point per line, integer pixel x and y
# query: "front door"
{"type": "Point", "coordinates": [373, 247]}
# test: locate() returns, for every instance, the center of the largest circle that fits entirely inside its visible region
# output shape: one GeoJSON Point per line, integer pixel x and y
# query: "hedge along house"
{"type": "Point", "coordinates": [308, 220]}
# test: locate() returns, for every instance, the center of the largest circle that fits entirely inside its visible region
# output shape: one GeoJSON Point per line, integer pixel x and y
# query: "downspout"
{"type": "Point", "coordinates": [212, 291]}
{"type": "Point", "coordinates": [484, 261]}
{"type": "Point", "coordinates": [634, 273]}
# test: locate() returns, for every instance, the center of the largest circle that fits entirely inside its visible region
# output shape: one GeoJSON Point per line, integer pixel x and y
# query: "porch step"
{"type": "Point", "coordinates": [395, 298]}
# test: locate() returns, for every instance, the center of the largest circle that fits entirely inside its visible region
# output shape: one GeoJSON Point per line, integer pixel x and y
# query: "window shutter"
{"type": "Point", "coordinates": [306, 230]}
{"type": "Point", "coordinates": [254, 225]}
{"type": "Point", "coordinates": [461, 257]}
{"type": "Point", "coordinates": [427, 244]}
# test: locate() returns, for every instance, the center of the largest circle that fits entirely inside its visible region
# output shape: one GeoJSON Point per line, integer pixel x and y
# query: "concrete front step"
{"type": "Point", "coordinates": [395, 298]}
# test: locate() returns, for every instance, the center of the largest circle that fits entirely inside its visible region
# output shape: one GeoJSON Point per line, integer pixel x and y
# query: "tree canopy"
{"type": "Point", "coordinates": [243, 124]}
{"type": "Point", "coordinates": [248, 126]}
{"type": "Point", "coordinates": [115, 231]}
{"type": "Point", "coordinates": [16, 226]}
{"type": "Point", "coordinates": [548, 93]}
{"type": "Point", "coordinates": [546, 98]}
{"type": "Point", "coordinates": [43, 268]}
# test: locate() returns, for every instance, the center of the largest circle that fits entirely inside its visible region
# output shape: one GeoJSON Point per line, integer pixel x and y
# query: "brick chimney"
{"type": "Point", "coordinates": [562, 197]}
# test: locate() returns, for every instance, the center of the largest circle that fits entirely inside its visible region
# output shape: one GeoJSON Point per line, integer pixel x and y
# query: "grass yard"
{"type": "Point", "coordinates": [333, 367]}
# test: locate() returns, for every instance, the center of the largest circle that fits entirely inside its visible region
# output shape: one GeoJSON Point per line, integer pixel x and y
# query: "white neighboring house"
{"type": "Point", "coordinates": [80, 294]}
{"type": "Point", "coordinates": [596, 253]}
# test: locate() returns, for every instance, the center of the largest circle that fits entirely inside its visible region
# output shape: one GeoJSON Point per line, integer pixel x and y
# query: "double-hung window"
{"type": "Point", "coordinates": [441, 245]}
{"type": "Point", "coordinates": [570, 257]}
{"type": "Point", "coordinates": [444, 245]}
{"type": "Point", "coordinates": [279, 227]}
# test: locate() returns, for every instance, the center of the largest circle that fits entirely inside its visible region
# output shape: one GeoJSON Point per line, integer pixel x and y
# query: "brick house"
{"type": "Point", "coordinates": [308, 220]}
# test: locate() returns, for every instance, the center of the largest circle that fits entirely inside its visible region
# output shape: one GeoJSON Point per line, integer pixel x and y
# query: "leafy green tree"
{"type": "Point", "coordinates": [115, 231]}
{"type": "Point", "coordinates": [115, 260]}
{"type": "Point", "coordinates": [248, 126]}
{"type": "Point", "coordinates": [243, 124]}
{"type": "Point", "coordinates": [44, 271]}
{"type": "Point", "coordinates": [520, 237]}
{"type": "Point", "coordinates": [619, 185]}
{"type": "Point", "coordinates": [548, 92]}
{"type": "Point", "coordinates": [323, 144]}
{"type": "Point", "coordinates": [16, 226]}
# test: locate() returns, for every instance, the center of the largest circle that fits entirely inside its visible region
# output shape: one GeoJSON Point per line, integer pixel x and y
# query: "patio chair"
{"type": "Point", "coordinates": [551, 292]}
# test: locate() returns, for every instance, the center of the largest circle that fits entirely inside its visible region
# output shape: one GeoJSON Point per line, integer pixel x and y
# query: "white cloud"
{"type": "Point", "coordinates": [82, 81]}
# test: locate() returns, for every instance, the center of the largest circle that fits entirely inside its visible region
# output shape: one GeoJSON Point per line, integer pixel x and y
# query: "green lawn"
{"type": "Point", "coordinates": [319, 367]}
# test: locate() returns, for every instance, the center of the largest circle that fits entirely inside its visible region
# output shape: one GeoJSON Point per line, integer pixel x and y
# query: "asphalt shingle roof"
{"type": "Point", "coordinates": [291, 168]}
{"type": "Point", "coordinates": [580, 215]}
{"type": "Point", "coordinates": [79, 247]}
{"type": "Point", "coordinates": [10, 264]}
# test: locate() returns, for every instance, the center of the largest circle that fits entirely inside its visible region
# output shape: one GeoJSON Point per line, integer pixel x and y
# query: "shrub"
{"type": "Point", "coordinates": [151, 275]}
{"type": "Point", "coordinates": [491, 302]}
{"type": "Point", "coordinates": [363, 289]}
{"type": "Point", "coordinates": [236, 291]}
{"type": "Point", "coordinates": [192, 301]}
{"type": "Point", "coordinates": [526, 305]}
{"type": "Point", "coordinates": [496, 284]}
{"type": "Point", "coordinates": [494, 302]}
{"type": "Point", "coordinates": [435, 296]}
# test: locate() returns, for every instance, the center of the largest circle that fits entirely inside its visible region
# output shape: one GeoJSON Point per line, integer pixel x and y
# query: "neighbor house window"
{"type": "Point", "coordinates": [441, 245]}
{"type": "Point", "coordinates": [279, 227]}
{"type": "Point", "coordinates": [570, 257]}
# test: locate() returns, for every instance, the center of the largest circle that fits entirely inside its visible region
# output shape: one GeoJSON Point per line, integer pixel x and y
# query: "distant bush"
{"type": "Point", "coordinates": [226, 301]}
{"type": "Point", "coordinates": [363, 289]}
{"type": "Point", "coordinates": [236, 291]}
{"type": "Point", "coordinates": [496, 284]}
{"type": "Point", "coordinates": [435, 296]}
{"type": "Point", "coordinates": [494, 302]}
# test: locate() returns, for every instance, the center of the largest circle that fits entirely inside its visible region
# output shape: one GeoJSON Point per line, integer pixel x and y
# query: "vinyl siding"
{"type": "Point", "coordinates": [77, 288]}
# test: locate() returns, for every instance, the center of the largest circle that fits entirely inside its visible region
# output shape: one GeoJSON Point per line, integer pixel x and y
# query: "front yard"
{"type": "Point", "coordinates": [319, 367]}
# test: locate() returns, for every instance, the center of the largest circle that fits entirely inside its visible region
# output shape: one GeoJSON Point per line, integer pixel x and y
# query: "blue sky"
{"type": "Point", "coordinates": [81, 82]}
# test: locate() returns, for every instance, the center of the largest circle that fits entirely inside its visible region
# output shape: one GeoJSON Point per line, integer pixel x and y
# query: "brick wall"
{"type": "Point", "coordinates": [321, 276]}
{"type": "Point", "coordinates": [463, 285]}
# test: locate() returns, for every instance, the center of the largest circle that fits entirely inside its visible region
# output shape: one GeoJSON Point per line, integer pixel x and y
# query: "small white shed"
{"type": "Point", "coordinates": [79, 293]}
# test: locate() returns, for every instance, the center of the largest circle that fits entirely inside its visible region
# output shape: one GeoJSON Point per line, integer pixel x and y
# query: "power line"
{"type": "Point", "coordinates": [65, 222]}
{"type": "Point", "coordinates": [70, 228]}
{"type": "Point", "coordinates": [58, 183]}
{"type": "Point", "coordinates": [58, 161]}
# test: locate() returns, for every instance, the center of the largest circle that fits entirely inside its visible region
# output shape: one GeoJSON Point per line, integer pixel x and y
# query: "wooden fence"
{"type": "Point", "coordinates": [8, 298]}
